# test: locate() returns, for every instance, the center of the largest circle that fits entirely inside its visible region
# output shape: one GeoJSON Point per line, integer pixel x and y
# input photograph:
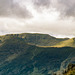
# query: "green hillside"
{"type": "Point", "coordinates": [66, 43]}
{"type": "Point", "coordinates": [35, 39]}
{"type": "Point", "coordinates": [20, 57]}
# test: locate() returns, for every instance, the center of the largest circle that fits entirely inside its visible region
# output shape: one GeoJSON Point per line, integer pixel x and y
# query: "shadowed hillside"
{"type": "Point", "coordinates": [18, 57]}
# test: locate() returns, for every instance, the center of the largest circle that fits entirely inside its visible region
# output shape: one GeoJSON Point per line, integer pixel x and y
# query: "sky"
{"type": "Point", "coordinates": [54, 17]}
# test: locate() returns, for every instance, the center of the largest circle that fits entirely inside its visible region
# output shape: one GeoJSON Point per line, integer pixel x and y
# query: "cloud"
{"type": "Point", "coordinates": [15, 8]}
{"type": "Point", "coordinates": [42, 24]}
{"type": "Point", "coordinates": [11, 8]}
{"type": "Point", "coordinates": [48, 21]}
{"type": "Point", "coordinates": [42, 3]}
{"type": "Point", "coordinates": [66, 7]}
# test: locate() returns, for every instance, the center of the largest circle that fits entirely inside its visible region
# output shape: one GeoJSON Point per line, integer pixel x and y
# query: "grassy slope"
{"type": "Point", "coordinates": [41, 39]}
{"type": "Point", "coordinates": [38, 39]}
{"type": "Point", "coordinates": [67, 43]}
{"type": "Point", "coordinates": [19, 58]}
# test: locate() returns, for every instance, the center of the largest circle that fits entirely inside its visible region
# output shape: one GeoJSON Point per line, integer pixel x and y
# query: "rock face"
{"type": "Point", "coordinates": [70, 70]}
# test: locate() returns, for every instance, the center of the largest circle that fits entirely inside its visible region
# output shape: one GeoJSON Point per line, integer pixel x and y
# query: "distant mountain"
{"type": "Point", "coordinates": [22, 54]}
{"type": "Point", "coordinates": [36, 39]}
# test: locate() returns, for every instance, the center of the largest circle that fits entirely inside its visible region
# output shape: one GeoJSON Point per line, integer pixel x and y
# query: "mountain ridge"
{"type": "Point", "coordinates": [36, 38]}
{"type": "Point", "coordinates": [22, 54]}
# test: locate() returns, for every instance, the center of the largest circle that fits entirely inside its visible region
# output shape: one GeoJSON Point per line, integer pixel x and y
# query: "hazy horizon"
{"type": "Point", "coordinates": [56, 36]}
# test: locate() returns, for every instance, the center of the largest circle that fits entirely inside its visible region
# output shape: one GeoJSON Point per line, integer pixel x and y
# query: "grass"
{"type": "Point", "coordinates": [67, 43]}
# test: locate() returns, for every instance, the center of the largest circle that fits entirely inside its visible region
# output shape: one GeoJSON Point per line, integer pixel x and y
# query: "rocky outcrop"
{"type": "Point", "coordinates": [70, 70]}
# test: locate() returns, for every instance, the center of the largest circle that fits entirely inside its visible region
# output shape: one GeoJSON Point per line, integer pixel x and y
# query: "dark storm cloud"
{"type": "Point", "coordinates": [9, 8]}
{"type": "Point", "coordinates": [66, 7]}
{"type": "Point", "coordinates": [42, 3]}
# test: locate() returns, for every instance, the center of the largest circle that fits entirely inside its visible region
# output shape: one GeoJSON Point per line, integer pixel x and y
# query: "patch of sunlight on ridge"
{"type": "Point", "coordinates": [66, 43]}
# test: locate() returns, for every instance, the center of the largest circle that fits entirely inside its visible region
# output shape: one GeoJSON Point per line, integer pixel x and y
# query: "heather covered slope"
{"type": "Point", "coordinates": [18, 57]}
